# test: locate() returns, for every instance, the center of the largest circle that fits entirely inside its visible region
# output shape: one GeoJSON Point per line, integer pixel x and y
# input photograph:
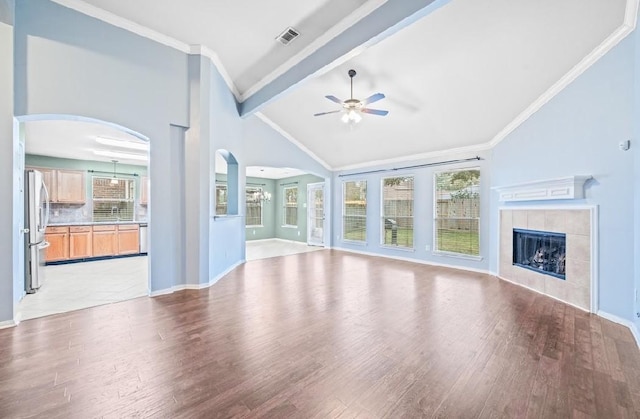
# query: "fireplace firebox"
{"type": "Point", "coordinates": [540, 251]}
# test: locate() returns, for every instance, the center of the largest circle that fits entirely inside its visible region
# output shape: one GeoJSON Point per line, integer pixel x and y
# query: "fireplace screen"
{"type": "Point", "coordinates": [540, 251]}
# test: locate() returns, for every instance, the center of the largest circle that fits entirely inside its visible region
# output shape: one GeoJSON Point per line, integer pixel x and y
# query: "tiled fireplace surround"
{"type": "Point", "coordinates": [577, 224]}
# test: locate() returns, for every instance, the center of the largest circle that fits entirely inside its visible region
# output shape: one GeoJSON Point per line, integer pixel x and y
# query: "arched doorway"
{"type": "Point", "coordinates": [92, 249]}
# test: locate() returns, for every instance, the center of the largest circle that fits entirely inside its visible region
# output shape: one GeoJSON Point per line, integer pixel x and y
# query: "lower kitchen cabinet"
{"type": "Point", "coordinates": [105, 240]}
{"type": "Point", "coordinates": [128, 239]}
{"type": "Point", "coordinates": [80, 242]}
{"type": "Point", "coordinates": [58, 238]}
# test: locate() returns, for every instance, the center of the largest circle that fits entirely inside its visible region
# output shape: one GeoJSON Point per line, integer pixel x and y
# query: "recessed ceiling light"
{"type": "Point", "coordinates": [115, 154]}
{"type": "Point", "coordinates": [122, 143]}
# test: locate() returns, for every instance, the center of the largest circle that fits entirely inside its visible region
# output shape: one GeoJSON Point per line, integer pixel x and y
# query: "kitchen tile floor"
{"type": "Point", "coordinates": [86, 284]}
{"type": "Point", "coordinates": [263, 249]}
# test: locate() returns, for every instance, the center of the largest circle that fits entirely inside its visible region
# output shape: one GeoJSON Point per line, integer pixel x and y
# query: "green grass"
{"type": "Point", "coordinates": [459, 241]}
{"type": "Point", "coordinates": [454, 241]}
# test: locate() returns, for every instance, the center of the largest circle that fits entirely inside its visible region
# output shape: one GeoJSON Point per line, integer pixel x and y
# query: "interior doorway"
{"type": "Point", "coordinates": [315, 214]}
{"type": "Point", "coordinates": [90, 224]}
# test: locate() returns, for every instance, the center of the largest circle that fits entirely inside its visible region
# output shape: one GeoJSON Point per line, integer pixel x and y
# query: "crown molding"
{"type": "Point", "coordinates": [628, 26]}
{"type": "Point", "coordinates": [414, 157]}
{"type": "Point", "coordinates": [217, 63]}
{"type": "Point", "coordinates": [318, 43]}
{"type": "Point", "coordinates": [145, 32]}
{"type": "Point", "coordinates": [292, 140]}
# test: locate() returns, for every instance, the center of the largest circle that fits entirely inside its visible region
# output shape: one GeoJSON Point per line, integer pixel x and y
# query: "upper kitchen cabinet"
{"type": "Point", "coordinates": [64, 186]}
{"type": "Point", "coordinates": [144, 190]}
{"type": "Point", "coordinates": [71, 187]}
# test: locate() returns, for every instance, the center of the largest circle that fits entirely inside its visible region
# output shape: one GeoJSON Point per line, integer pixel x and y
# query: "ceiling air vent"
{"type": "Point", "coordinates": [287, 36]}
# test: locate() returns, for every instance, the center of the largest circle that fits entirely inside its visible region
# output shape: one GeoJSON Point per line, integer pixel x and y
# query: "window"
{"type": "Point", "coordinates": [354, 211]}
{"type": "Point", "coordinates": [290, 206]}
{"type": "Point", "coordinates": [457, 209]}
{"type": "Point", "coordinates": [397, 211]}
{"type": "Point", "coordinates": [113, 201]}
{"type": "Point", "coordinates": [253, 216]}
{"type": "Point", "coordinates": [221, 199]}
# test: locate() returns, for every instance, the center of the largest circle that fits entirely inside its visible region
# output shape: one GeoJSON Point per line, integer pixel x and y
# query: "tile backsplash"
{"type": "Point", "coordinates": [70, 213]}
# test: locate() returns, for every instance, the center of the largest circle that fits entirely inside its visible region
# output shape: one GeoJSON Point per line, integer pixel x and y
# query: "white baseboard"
{"type": "Point", "coordinates": [420, 261]}
{"type": "Point", "coordinates": [542, 293]}
{"type": "Point", "coordinates": [182, 287]}
{"type": "Point", "coordinates": [9, 323]}
{"type": "Point", "coordinates": [624, 322]}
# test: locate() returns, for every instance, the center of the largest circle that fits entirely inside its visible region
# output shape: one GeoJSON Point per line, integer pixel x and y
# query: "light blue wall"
{"type": "Point", "coordinates": [635, 148]}
{"type": "Point", "coordinates": [8, 225]}
{"type": "Point", "coordinates": [577, 133]}
{"type": "Point", "coordinates": [69, 63]}
{"type": "Point", "coordinates": [298, 233]}
{"type": "Point", "coordinates": [423, 210]}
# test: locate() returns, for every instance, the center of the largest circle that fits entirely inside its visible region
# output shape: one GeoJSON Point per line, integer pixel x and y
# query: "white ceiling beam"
{"type": "Point", "coordinates": [381, 23]}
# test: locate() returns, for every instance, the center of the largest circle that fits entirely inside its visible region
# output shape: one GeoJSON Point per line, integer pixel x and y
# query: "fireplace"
{"type": "Point", "coordinates": [540, 251]}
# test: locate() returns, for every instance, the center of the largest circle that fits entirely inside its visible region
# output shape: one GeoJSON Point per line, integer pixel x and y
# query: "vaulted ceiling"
{"type": "Point", "coordinates": [457, 74]}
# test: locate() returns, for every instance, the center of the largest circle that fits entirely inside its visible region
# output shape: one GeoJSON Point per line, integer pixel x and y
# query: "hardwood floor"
{"type": "Point", "coordinates": [325, 334]}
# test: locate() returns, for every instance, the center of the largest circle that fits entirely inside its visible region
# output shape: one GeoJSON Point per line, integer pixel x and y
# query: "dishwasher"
{"type": "Point", "coordinates": [144, 243]}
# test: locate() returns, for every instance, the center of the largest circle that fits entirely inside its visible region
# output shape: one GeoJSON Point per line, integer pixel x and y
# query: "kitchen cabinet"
{"type": "Point", "coordinates": [128, 239]}
{"type": "Point", "coordinates": [71, 187]}
{"type": "Point", "coordinates": [144, 190]}
{"type": "Point", "coordinates": [58, 238]}
{"type": "Point", "coordinates": [64, 186]}
{"type": "Point", "coordinates": [105, 240]}
{"type": "Point", "coordinates": [80, 242]}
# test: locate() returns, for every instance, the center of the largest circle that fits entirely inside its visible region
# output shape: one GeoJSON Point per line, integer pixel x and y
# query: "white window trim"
{"type": "Point", "coordinates": [436, 252]}
{"type": "Point", "coordinates": [382, 216]}
{"type": "Point", "coordinates": [366, 233]}
{"type": "Point", "coordinates": [284, 206]}
{"type": "Point", "coordinates": [261, 207]}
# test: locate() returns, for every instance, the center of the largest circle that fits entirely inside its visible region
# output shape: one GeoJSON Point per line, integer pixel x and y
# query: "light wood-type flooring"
{"type": "Point", "coordinates": [325, 334]}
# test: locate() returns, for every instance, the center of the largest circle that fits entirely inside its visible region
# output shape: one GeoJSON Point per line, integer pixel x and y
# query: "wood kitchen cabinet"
{"type": "Point", "coordinates": [144, 190]}
{"type": "Point", "coordinates": [58, 238]}
{"type": "Point", "coordinates": [128, 239]}
{"type": "Point", "coordinates": [64, 186]}
{"type": "Point", "coordinates": [105, 240]}
{"type": "Point", "coordinates": [80, 242]}
{"type": "Point", "coordinates": [71, 187]}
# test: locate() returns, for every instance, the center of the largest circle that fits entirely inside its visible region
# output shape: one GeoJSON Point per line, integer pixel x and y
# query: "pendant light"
{"type": "Point", "coordinates": [114, 180]}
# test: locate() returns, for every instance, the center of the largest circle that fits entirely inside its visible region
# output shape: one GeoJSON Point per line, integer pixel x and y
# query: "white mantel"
{"type": "Point", "coordinates": [570, 187]}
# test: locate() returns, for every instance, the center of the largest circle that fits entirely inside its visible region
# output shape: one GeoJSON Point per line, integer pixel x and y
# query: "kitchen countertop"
{"type": "Point", "coordinates": [90, 223]}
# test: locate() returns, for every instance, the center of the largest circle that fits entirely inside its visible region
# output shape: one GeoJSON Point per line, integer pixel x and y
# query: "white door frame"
{"type": "Point", "coordinates": [310, 188]}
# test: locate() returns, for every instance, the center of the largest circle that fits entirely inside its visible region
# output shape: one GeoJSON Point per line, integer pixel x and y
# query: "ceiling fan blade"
{"type": "Point", "coordinates": [326, 113]}
{"type": "Point", "coordinates": [374, 111]}
{"type": "Point", "coordinates": [373, 98]}
{"type": "Point", "coordinates": [334, 99]}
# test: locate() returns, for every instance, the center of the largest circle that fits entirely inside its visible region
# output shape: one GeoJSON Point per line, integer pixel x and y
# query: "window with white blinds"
{"type": "Point", "coordinates": [253, 217]}
{"type": "Point", "coordinates": [457, 212]}
{"type": "Point", "coordinates": [397, 211]}
{"type": "Point", "coordinates": [113, 200]}
{"type": "Point", "coordinates": [221, 199]}
{"type": "Point", "coordinates": [290, 206]}
{"type": "Point", "coordinates": [354, 210]}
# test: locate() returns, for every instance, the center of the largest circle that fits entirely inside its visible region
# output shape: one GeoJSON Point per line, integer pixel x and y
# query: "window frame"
{"type": "Point", "coordinates": [343, 208]}
{"type": "Point", "coordinates": [131, 200]}
{"type": "Point", "coordinates": [284, 206]}
{"type": "Point", "coordinates": [215, 199]}
{"type": "Point", "coordinates": [434, 250]}
{"type": "Point", "coordinates": [382, 215]}
{"type": "Point", "coordinates": [259, 189]}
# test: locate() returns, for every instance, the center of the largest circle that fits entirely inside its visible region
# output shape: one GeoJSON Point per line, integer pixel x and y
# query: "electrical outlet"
{"type": "Point", "coordinates": [427, 248]}
{"type": "Point", "coordinates": [254, 232]}
{"type": "Point", "coordinates": [298, 232]}
{"type": "Point", "coordinates": [56, 213]}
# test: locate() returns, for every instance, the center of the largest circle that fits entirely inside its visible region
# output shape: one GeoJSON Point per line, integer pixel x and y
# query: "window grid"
{"type": "Point", "coordinates": [253, 217]}
{"type": "Point", "coordinates": [397, 211]}
{"type": "Point", "coordinates": [113, 202]}
{"type": "Point", "coordinates": [354, 211]}
{"type": "Point", "coordinates": [457, 212]}
{"type": "Point", "coordinates": [290, 204]}
{"type": "Point", "coordinates": [221, 199]}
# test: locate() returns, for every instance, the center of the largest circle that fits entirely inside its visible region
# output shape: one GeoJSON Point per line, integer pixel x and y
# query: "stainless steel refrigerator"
{"type": "Point", "coordinates": [36, 219]}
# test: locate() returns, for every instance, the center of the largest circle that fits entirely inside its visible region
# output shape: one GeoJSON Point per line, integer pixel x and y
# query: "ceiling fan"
{"type": "Point", "coordinates": [353, 108]}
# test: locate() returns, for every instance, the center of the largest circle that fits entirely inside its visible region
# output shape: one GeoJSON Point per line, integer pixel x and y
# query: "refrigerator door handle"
{"type": "Point", "coordinates": [44, 244]}
{"type": "Point", "coordinates": [46, 214]}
